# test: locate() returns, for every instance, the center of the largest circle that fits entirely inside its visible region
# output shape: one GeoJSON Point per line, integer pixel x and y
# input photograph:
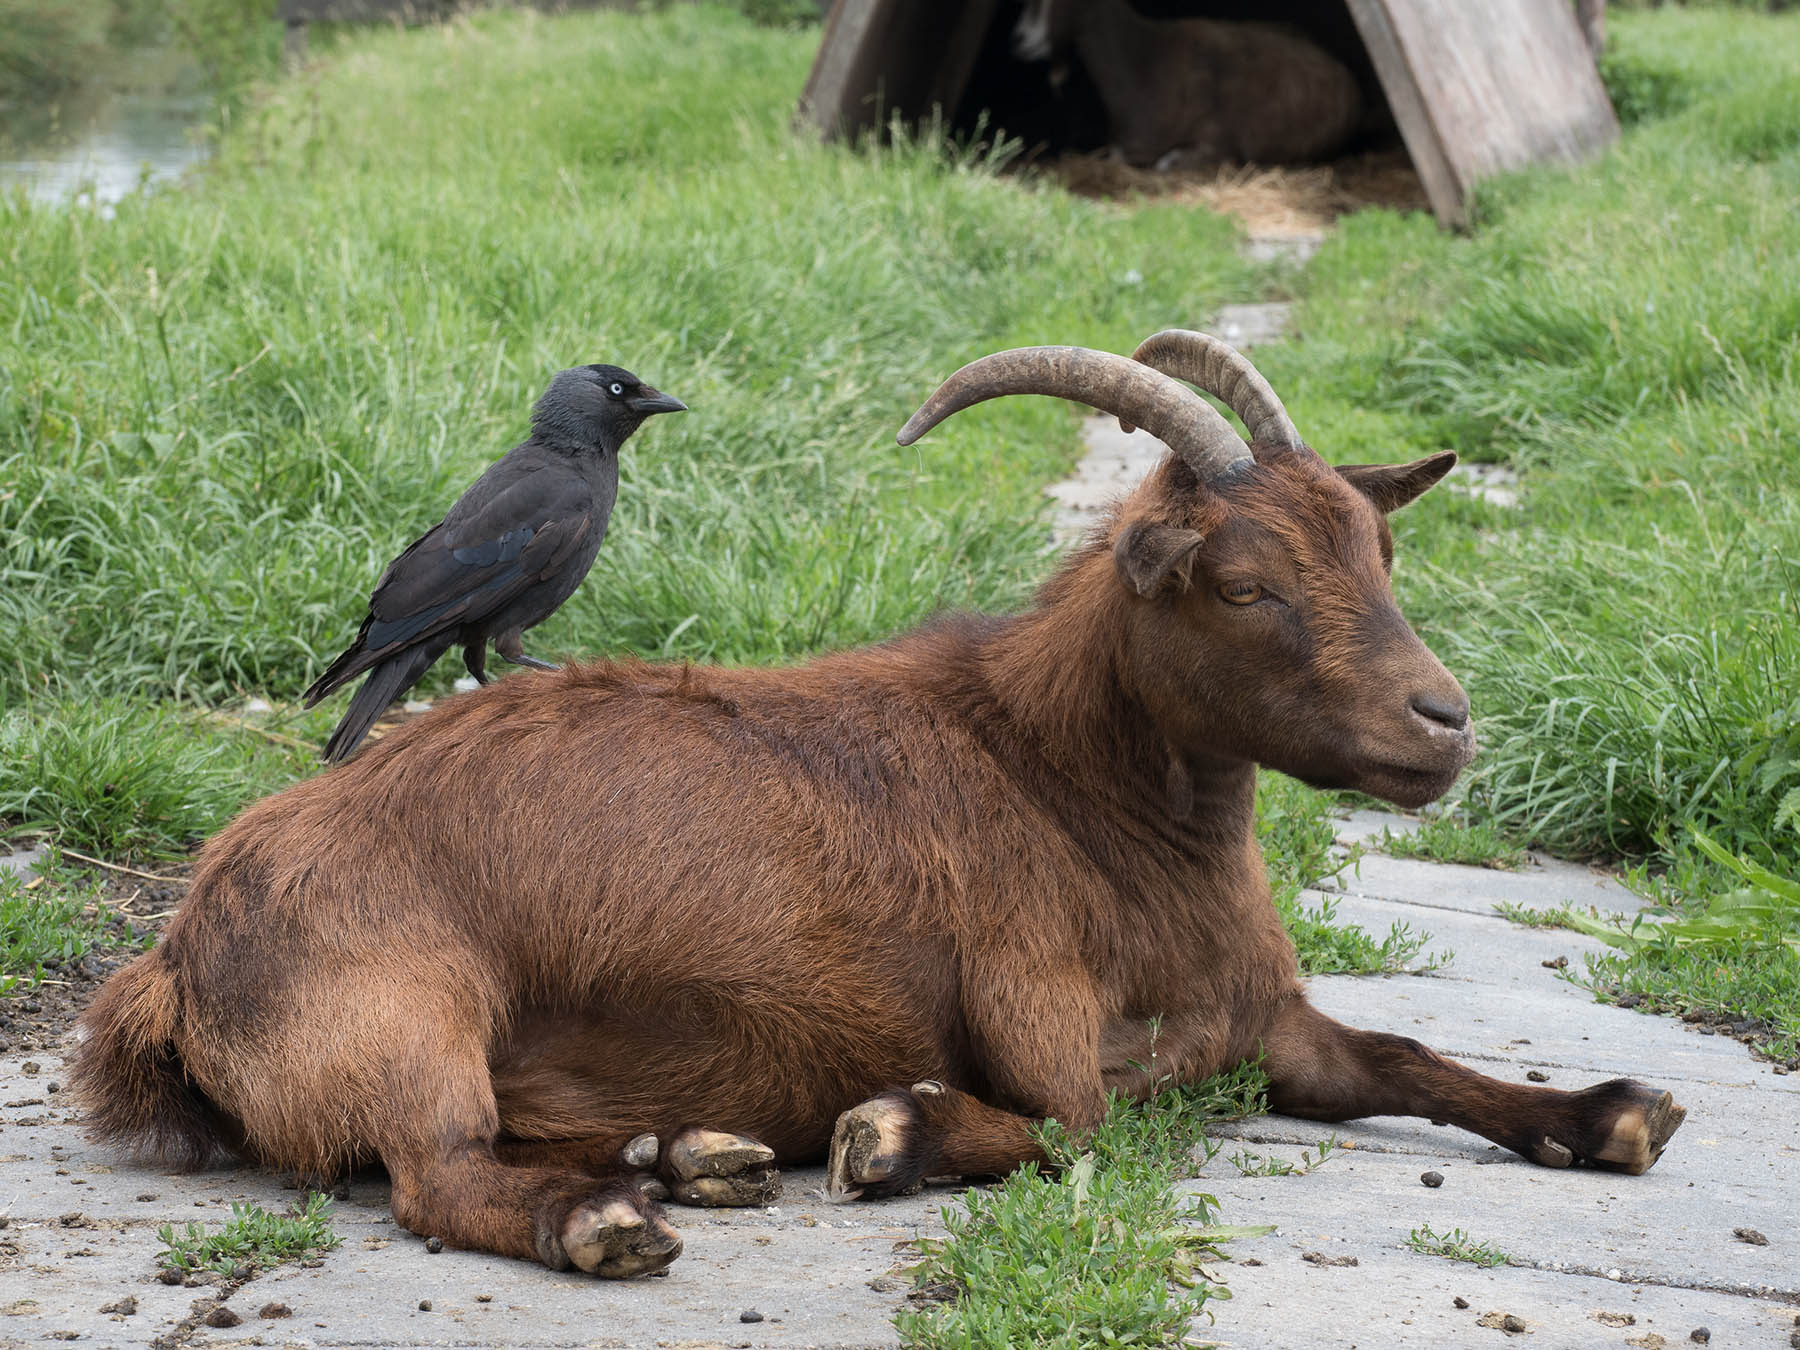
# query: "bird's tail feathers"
{"type": "Point", "coordinates": [386, 682]}
{"type": "Point", "coordinates": [341, 671]}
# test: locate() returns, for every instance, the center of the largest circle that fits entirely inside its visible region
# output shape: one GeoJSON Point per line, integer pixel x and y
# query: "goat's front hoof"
{"type": "Point", "coordinates": [873, 1148]}
{"type": "Point", "coordinates": [716, 1169]}
{"type": "Point", "coordinates": [618, 1235]}
{"type": "Point", "coordinates": [1636, 1136]}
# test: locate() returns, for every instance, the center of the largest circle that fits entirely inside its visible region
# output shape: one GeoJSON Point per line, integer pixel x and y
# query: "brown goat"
{"type": "Point", "coordinates": [740, 910]}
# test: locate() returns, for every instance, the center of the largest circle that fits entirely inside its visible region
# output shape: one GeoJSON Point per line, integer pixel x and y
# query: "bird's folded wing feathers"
{"type": "Point", "coordinates": [462, 570]}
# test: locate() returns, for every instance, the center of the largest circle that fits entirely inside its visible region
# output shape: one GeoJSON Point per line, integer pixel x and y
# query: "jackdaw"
{"type": "Point", "coordinates": [512, 549]}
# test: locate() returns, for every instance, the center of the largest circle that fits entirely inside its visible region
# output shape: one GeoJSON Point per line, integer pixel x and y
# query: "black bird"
{"type": "Point", "coordinates": [512, 549]}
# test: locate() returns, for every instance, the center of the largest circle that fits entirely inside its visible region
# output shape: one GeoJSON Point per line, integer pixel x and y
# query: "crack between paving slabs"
{"type": "Point", "coordinates": [1762, 1291]}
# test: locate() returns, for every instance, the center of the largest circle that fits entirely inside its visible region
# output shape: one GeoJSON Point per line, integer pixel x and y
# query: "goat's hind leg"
{"type": "Point", "coordinates": [1323, 1070]}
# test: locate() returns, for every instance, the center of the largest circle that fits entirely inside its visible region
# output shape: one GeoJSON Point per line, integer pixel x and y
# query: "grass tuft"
{"type": "Point", "coordinates": [1455, 839]}
{"type": "Point", "coordinates": [252, 1238]}
{"type": "Point", "coordinates": [1105, 1250]}
{"type": "Point", "coordinates": [1456, 1245]}
{"type": "Point", "coordinates": [1294, 828]}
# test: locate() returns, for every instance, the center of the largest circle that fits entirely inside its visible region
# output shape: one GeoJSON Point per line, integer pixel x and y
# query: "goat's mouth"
{"type": "Point", "coordinates": [1412, 783]}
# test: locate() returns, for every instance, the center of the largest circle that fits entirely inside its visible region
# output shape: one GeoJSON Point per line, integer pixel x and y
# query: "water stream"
{"type": "Point", "coordinates": [95, 148]}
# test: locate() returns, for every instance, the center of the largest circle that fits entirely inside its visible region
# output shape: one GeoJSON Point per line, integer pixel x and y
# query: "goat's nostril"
{"type": "Point", "coordinates": [1446, 712]}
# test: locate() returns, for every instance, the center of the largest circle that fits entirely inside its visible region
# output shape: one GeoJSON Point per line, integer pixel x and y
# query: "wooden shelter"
{"type": "Point", "coordinates": [1474, 87]}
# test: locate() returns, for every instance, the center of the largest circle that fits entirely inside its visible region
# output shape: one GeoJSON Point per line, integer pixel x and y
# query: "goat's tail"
{"type": "Point", "coordinates": [386, 682]}
{"type": "Point", "coordinates": [128, 1075]}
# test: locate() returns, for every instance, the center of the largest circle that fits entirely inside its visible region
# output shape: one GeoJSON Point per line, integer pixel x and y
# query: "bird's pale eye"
{"type": "Point", "coordinates": [617, 389]}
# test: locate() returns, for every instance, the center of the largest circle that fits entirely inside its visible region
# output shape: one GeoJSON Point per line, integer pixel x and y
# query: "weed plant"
{"type": "Point", "coordinates": [1102, 1249]}
{"type": "Point", "coordinates": [51, 921]}
{"type": "Point", "coordinates": [1456, 1245]}
{"type": "Point", "coordinates": [1453, 838]}
{"type": "Point", "coordinates": [1251, 1164]}
{"type": "Point", "coordinates": [251, 1239]}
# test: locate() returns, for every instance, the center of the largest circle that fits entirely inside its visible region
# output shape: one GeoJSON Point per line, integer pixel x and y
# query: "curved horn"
{"type": "Point", "coordinates": [1130, 391]}
{"type": "Point", "coordinates": [1220, 369]}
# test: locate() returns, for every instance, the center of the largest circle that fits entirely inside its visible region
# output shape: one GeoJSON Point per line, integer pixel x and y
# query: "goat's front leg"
{"type": "Point", "coordinates": [1324, 1070]}
{"type": "Point", "coordinates": [1036, 1041]}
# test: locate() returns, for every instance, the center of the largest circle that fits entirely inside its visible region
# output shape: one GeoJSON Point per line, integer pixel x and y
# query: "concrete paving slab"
{"type": "Point", "coordinates": [1394, 1297]}
{"type": "Point", "coordinates": [1363, 826]}
{"type": "Point", "coordinates": [1296, 247]}
{"type": "Point", "coordinates": [1115, 462]}
{"type": "Point", "coordinates": [1543, 884]}
{"type": "Point", "coordinates": [1487, 1009]}
{"type": "Point", "coordinates": [1674, 1225]}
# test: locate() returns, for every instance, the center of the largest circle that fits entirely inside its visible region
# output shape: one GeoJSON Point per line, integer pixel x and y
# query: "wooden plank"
{"type": "Point", "coordinates": [1482, 86]}
{"type": "Point", "coordinates": [879, 56]}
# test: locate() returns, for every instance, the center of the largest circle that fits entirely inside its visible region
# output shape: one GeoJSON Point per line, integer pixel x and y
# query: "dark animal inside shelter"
{"type": "Point", "coordinates": [588, 938]}
{"type": "Point", "coordinates": [1469, 88]}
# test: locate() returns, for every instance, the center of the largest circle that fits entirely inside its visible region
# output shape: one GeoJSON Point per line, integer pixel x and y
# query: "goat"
{"type": "Point", "coordinates": [1187, 93]}
{"type": "Point", "coordinates": [893, 906]}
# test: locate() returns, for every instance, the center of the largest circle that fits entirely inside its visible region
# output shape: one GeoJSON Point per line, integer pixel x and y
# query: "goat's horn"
{"type": "Point", "coordinates": [1130, 391]}
{"type": "Point", "coordinates": [1223, 371]}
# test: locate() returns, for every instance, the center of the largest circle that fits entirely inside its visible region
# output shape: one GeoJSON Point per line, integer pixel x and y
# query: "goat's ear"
{"type": "Point", "coordinates": [1148, 555]}
{"type": "Point", "coordinates": [1392, 486]}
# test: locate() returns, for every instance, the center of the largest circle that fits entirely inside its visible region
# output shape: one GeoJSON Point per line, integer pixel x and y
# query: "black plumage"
{"type": "Point", "coordinates": [506, 556]}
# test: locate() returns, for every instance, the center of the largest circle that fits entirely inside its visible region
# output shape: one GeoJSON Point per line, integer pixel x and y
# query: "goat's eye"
{"type": "Point", "coordinates": [617, 389]}
{"type": "Point", "coordinates": [1241, 592]}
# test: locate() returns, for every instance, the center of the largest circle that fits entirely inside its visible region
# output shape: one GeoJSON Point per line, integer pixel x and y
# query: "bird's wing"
{"type": "Point", "coordinates": [480, 558]}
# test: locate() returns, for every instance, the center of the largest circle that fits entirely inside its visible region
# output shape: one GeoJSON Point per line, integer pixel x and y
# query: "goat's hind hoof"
{"type": "Point", "coordinates": [719, 1170]}
{"type": "Point", "coordinates": [1640, 1130]}
{"type": "Point", "coordinates": [617, 1235]}
{"type": "Point", "coordinates": [873, 1147]}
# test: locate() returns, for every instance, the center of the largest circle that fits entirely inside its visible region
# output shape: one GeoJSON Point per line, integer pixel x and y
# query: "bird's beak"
{"type": "Point", "coordinates": [648, 401]}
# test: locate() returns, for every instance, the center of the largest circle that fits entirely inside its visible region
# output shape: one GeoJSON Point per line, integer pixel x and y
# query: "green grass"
{"type": "Point", "coordinates": [1294, 829]}
{"type": "Point", "coordinates": [1453, 838]}
{"type": "Point", "coordinates": [252, 1238]}
{"type": "Point", "coordinates": [1455, 1245]}
{"type": "Point", "coordinates": [52, 922]}
{"type": "Point", "coordinates": [126, 777]}
{"type": "Point", "coordinates": [1526, 917]}
{"type": "Point", "coordinates": [1103, 1251]}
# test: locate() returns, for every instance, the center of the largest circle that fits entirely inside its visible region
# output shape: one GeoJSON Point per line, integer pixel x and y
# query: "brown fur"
{"type": "Point", "coordinates": [573, 907]}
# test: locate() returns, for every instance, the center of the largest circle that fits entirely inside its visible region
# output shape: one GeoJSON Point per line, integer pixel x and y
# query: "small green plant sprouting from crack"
{"type": "Point", "coordinates": [252, 1237]}
{"type": "Point", "coordinates": [1456, 1245]}
{"type": "Point", "coordinates": [1268, 1165]}
{"type": "Point", "coordinates": [1454, 838]}
{"type": "Point", "coordinates": [1527, 917]}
